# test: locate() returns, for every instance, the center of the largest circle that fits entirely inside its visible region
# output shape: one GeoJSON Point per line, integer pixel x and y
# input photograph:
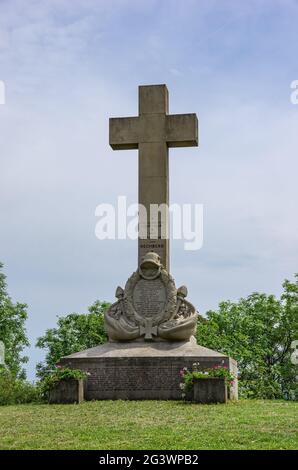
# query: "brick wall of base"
{"type": "Point", "coordinates": [140, 378]}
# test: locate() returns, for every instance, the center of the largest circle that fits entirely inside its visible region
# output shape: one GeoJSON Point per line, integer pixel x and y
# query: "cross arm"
{"type": "Point", "coordinates": [124, 133]}
{"type": "Point", "coordinates": [182, 130]}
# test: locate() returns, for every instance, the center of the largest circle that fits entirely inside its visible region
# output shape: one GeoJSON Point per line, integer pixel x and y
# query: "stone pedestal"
{"type": "Point", "coordinates": [67, 391]}
{"type": "Point", "coordinates": [140, 370]}
{"type": "Point", "coordinates": [211, 390]}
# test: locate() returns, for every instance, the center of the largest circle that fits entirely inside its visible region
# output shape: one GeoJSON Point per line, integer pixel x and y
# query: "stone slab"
{"type": "Point", "coordinates": [67, 391]}
{"type": "Point", "coordinates": [144, 349]}
{"type": "Point", "coordinates": [212, 390]}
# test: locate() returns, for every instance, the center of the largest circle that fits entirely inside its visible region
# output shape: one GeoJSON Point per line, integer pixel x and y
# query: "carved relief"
{"type": "Point", "coordinates": [150, 307]}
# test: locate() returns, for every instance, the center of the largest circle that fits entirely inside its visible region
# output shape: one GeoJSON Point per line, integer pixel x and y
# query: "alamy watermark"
{"type": "Point", "coordinates": [182, 221]}
{"type": "Point", "coordinates": [2, 92]}
{"type": "Point", "coordinates": [294, 94]}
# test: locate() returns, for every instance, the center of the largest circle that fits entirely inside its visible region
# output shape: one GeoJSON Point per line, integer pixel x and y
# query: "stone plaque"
{"type": "Point", "coordinates": [149, 297]}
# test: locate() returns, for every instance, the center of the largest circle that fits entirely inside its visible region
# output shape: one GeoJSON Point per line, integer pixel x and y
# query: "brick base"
{"type": "Point", "coordinates": [139, 378]}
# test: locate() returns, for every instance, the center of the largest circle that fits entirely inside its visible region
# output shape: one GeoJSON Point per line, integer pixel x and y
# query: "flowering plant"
{"type": "Point", "coordinates": [61, 373]}
{"type": "Point", "coordinates": [216, 371]}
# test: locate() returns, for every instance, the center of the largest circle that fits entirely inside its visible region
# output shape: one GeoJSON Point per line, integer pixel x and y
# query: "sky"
{"type": "Point", "coordinates": [69, 65]}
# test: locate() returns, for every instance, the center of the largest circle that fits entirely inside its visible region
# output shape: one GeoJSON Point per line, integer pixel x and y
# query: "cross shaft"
{"type": "Point", "coordinates": [152, 133]}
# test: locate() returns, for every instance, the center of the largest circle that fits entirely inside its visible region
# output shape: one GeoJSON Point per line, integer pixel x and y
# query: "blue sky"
{"type": "Point", "coordinates": [70, 65]}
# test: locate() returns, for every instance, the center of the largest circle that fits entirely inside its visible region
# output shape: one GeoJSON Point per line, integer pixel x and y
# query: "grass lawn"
{"type": "Point", "coordinates": [150, 425]}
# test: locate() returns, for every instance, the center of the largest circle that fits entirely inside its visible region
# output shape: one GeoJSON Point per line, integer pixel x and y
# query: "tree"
{"type": "Point", "coordinates": [258, 332]}
{"type": "Point", "coordinates": [74, 333]}
{"type": "Point", "coordinates": [12, 330]}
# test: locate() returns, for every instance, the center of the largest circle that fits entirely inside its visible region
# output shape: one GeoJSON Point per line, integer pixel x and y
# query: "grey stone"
{"type": "Point", "coordinates": [142, 349]}
{"type": "Point", "coordinates": [67, 391]}
{"type": "Point", "coordinates": [152, 133]}
{"type": "Point", "coordinates": [151, 307]}
{"type": "Point", "coordinates": [211, 390]}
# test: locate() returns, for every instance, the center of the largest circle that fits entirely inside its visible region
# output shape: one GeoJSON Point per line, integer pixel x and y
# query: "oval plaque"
{"type": "Point", "coordinates": [149, 297]}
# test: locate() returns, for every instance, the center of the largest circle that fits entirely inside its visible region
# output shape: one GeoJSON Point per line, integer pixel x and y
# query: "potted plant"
{"type": "Point", "coordinates": [64, 385]}
{"type": "Point", "coordinates": [210, 385]}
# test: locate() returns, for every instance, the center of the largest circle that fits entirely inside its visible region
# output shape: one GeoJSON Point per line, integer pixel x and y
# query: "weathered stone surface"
{"type": "Point", "coordinates": [152, 133]}
{"type": "Point", "coordinates": [141, 370]}
{"type": "Point", "coordinates": [153, 99]}
{"type": "Point", "coordinates": [151, 307]}
{"type": "Point", "coordinates": [142, 349]}
{"type": "Point", "coordinates": [149, 298]}
{"type": "Point", "coordinates": [67, 391]}
{"type": "Point", "coordinates": [211, 390]}
{"type": "Point", "coordinates": [182, 130]}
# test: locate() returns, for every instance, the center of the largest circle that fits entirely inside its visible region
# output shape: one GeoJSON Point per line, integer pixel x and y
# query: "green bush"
{"type": "Point", "coordinates": [258, 331]}
{"type": "Point", "coordinates": [15, 391]}
{"type": "Point", "coordinates": [60, 373]}
{"type": "Point", "coordinates": [73, 333]}
{"type": "Point", "coordinates": [188, 377]}
{"type": "Point", "coordinates": [13, 334]}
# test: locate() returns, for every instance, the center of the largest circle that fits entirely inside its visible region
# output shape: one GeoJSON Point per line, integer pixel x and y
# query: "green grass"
{"type": "Point", "coordinates": [150, 425]}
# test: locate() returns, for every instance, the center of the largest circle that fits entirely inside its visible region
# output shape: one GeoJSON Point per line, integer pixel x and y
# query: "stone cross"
{"type": "Point", "coordinates": [152, 133]}
{"type": "Point", "coordinates": [148, 330]}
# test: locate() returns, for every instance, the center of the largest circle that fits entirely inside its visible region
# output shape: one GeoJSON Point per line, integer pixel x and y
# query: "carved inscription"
{"type": "Point", "coordinates": [158, 246]}
{"type": "Point", "coordinates": [149, 297]}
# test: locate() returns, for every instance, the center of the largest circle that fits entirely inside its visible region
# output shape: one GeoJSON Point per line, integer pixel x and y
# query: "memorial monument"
{"type": "Point", "coordinates": [151, 326]}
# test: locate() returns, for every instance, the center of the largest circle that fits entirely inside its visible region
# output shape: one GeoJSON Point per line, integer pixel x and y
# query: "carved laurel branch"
{"type": "Point", "coordinates": [112, 310]}
{"type": "Point", "coordinates": [170, 308]}
{"type": "Point", "coordinates": [130, 311]}
{"type": "Point", "coordinates": [191, 307]}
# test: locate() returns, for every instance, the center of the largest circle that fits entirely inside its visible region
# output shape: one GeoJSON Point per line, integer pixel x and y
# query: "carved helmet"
{"type": "Point", "coordinates": [150, 258]}
{"type": "Point", "coordinates": [150, 266]}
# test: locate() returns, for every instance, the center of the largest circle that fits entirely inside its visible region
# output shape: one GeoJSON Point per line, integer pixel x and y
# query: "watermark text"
{"type": "Point", "coordinates": [135, 221]}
